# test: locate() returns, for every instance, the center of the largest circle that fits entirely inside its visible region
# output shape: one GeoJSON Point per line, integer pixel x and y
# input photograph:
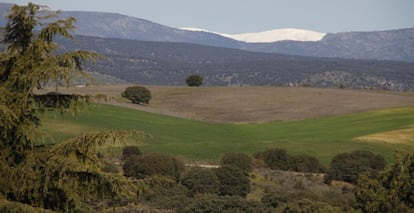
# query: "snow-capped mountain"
{"type": "Point", "coordinates": [269, 36]}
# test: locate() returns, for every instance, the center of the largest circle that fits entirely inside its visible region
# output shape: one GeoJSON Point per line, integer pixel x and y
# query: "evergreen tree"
{"type": "Point", "coordinates": [390, 191]}
{"type": "Point", "coordinates": [64, 177]}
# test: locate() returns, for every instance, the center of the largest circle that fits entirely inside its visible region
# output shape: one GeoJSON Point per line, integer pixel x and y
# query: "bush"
{"type": "Point", "coordinates": [280, 160]}
{"type": "Point", "coordinates": [129, 151]}
{"type": "Point", "coordinates": [137, 94]}
{"type": "Point", "coordinates": [271, 200]}
{"type": "Point", "coordinates": [142, 166]}
{"type": "Point", "coordinates": [208, 204]}
{"type": "Point", "coordinates": [232, 181]}
{"type": "Point", "coordinates": [239, 160]}
{"type": "Point", "coordinates": [305, 163]}
{"type": "Point", "coordinates": [164, 193]}
{"type": "Point", "coordinates": [305, 205]}
{"type": "Point", "coordinates": [275, 158]}
{"type": "Point", "coordinates": [348, 166]}
{"type": "Point", "coordinates": [194, 80]}
{"type": "Point", "coordinates": [200, 180]}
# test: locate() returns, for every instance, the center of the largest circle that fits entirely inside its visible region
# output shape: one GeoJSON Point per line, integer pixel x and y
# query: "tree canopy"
{"type": "Point", "coordinates": [137, 94]}
{"type": "Point", "coordinates": [194, 80]}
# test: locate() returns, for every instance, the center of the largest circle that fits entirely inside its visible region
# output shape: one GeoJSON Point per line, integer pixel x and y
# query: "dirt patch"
{"type": "Point", "coordinates": [253, 104]}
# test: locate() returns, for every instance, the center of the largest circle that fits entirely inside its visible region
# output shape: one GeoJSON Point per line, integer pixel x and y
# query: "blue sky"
{"type": "Point", "coordinates": [240, 16]}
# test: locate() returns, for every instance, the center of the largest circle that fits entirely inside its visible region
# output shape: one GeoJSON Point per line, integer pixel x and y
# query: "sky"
{"type": "Point", "coordinates": [243, 16]}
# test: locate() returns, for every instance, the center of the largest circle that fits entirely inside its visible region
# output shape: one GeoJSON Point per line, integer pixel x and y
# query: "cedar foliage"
{"type": "Point", "coordinates": [66, 177]}
{"type": "Point", "coordinates": [389, 191]}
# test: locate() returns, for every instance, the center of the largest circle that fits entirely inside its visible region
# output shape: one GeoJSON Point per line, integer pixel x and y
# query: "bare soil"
{"type": "Point", "coordinates": [252, 104]}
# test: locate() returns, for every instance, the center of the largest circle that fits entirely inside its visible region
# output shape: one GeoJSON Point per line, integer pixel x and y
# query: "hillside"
{"type": "Point", "coordinates": [163, 63]}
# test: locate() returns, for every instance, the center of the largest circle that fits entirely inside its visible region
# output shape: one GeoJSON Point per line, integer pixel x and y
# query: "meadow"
{"type": "Point", "coordinates": [203, 141]}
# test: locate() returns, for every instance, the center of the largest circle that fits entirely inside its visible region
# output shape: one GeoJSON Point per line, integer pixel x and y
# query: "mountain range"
{"type": "Point", "coordinates": [140, 51]}
{"type": "Point", "coordinates": [395, 45]}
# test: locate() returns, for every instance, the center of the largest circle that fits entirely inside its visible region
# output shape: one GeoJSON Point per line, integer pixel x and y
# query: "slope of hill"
{"type": "Point", "coordinates": [111, 25]}
{"type": "Point", "coordinates": [196, 140]}
{"type": "Point", "coordinates": [163, 63]}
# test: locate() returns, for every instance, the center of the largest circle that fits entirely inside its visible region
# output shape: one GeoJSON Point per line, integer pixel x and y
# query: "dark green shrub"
{"type": "Point", "coordinates": [305, 163]}
{"type": "Point", "coordinates": [305, 205]}
{"type": "Point", "coordinates": [207, 204]}
{"type": "Point", "coordinates": [142, 166]}
{"type": "Point", "coordinates": [348, 166]}
{"type": "Point", "coordinates": [278, 159]}
{"type": "Point", "coordinates": [137, 94]}
{"type": "Point", "coordinates": [271, 200]}
{"type": "Point", "coordinates": [275, 158]}
{"type": "Point", "coordinates": [194, 80]}
{"type": "Point", "coordinates": [129, 151]}
{"type": "Point", "coordinates": [240, 160]}
{"type": "Point", "coordinates": [200, 180]}
{"type": "Point", "coordinates": [232, 181]}
{"type": "Point", "coordinates": [165, 193]}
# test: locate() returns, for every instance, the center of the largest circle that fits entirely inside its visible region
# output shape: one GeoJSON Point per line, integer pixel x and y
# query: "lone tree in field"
{"type": "Point", "coordinates": [194, 80]}
{"type": "Point", "coordinates": [137, 94]}
{"type": "Point", "coordinates": [64, 177]}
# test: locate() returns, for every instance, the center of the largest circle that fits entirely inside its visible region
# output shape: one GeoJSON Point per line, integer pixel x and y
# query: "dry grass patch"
{"type": "Point", "coordinates": [401, 136]}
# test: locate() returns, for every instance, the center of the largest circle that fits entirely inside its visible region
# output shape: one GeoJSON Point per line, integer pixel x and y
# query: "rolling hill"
{"type": "Point", "coordinates": [202, 141]}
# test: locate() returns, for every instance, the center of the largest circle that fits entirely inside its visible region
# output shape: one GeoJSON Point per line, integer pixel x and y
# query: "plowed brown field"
{"type": "Point", "coordinates": [253, 104]}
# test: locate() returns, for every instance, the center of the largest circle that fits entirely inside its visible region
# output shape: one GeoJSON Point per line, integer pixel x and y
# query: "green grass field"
{"type": "Point", "coordinates": [203, 141]}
